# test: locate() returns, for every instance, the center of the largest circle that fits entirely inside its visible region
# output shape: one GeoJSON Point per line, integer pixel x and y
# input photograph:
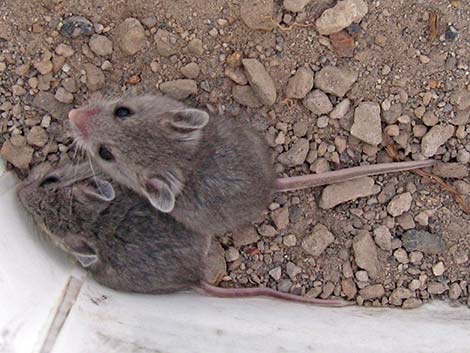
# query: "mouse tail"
{"type": "Point", "coordinates": [208, 289]}
{"type": "Point", "coordinates": [337, 176]}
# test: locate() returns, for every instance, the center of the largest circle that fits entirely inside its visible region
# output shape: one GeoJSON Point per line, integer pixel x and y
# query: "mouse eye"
{"type": "Point", "coordinates": [49, 180]}
{"type": "Point", "coordinates": [105, 154]}
{"type": "Point", "coordinates": [122, 112]}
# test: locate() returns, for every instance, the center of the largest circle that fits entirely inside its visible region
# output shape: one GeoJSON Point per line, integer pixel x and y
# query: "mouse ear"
{"type": "Point", "coordinates": [186, 124]}
{"type": "Point", "coordinates": [160, 195]}
{"type": "Point", "coordinates": [81, 250]}
{"type": "Point", "coordinates": [101, 190]}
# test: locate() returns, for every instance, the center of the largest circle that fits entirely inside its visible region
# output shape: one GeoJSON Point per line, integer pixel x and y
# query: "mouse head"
{"type": "Point", "coordinates": [147, 142]}
{"type": "Point", "coordinates": [64, 203]}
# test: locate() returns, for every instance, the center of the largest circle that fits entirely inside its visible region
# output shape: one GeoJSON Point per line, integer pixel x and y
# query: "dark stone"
{"type": "Point", "coordinates": [423, 241]}
{"type": "Point", "coordinates": [451, 33]}
{"type": "Point", "coordinates": [76, 26]}
{"type": "Point", "coordinates": [354, 29]}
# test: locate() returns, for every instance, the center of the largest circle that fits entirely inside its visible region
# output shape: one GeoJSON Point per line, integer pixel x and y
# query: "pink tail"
{"type": "Point", "coordinates": [214, 291]}
{"type": "Point", "coordinates": [337, 176]}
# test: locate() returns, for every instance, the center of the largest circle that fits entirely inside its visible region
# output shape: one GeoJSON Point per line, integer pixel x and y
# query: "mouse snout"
{"type": "Point", "coordinates": [79, 118]}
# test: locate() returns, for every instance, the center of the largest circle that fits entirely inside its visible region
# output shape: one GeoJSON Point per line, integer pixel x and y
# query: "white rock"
{"type": "Point", "coordinates": [436, 137]}
{"type": "Point", "coordinates": [438, 269]}
{"type": "Point", "coordinates": [318, 102]}
{"type": "Point", "coordinates": [399, 204]}
{"type": "Point", "coordinates": [300, 84]}
{"type": "Point", "coordinates": [340, 109]}
{"type": "Point", "coordinates": [179, 89]}
{"type": "Point", "coordinates": [296, 5]}
{"type": "Point", "coordinates": [131, 36]}
{"type": "Point", "coordinates": [318, 241]}
{"type": "Point", "coordinates": [339, 193]}
{"type": "Point", "coordinates": [335, 80]}
{"type": "Point", "coordinates": [383, 238]}
{"type": "Point", "coordinates": [296, 155]}
{"type": "Point", "coordinates": [260, 81]}
{"type": "Point", "coordinates": [365, 253]}
{"type": "Point", "coordinates": [367, 126]}
{"type": "Point", "coordinates": [341, 16]}
{"type": "Point", "coordinates": [101, 45]}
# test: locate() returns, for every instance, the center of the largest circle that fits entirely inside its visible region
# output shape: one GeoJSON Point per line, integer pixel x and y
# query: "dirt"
{"type": "Point", "coordinates": [397, 63]}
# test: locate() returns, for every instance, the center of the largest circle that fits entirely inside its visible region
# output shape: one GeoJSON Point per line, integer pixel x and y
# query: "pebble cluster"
{"type": "Point", "coordinates": [330, 86]}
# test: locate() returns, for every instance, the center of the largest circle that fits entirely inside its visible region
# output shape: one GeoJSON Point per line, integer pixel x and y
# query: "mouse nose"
{"type": "Point", "coordinates": [79, 119]}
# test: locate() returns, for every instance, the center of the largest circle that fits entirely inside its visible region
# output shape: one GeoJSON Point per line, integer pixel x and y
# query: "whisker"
{"type": "Point", "coordinates": [71, 189]}
{"type": "Point", "coordinates": [75, 151]}
{"type": "Point", "coordinates": [94, 175]}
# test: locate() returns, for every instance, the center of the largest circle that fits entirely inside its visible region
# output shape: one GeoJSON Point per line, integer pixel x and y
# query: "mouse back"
{"type": "Point", "coordinates": [202, 169]}
{"type": "Point", "coordinates": [148, 252]}
{"type": "Point", "coordinates": [231, 182]}
{"type": "Point", "coordinates": [113, 232]}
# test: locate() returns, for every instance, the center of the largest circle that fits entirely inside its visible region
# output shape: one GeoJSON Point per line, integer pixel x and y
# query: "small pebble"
{"type": "Point", "coordinates": [322, 121]}
{"type": "Point", "coordinates": [267, 231]}
{"type": "Point", "coordinates": [37, 137]}
{"type": "Point", "coordinates": [195, 47]}
{"type": "Point", "coordinates": [401, 255]}
{"type": "Point", "coordinates": [260, 81]}
{"type": "Point", "coordinates": [455, 291]}
{"type": "Point", "coordinates": [179, 89]}
{"type": "Point", "coordinates": [438, 269]}
{"type": "Point", "coordinates": [318, 102]}
{"type": "Point", "coordinates": [340, 109]}
{"type": "Point", "coordinates": [131, 36]}
{"type": "Point", "coordinates": [411, 303]}
{"type": "Point", "coordinates": [383, 238]}
{"type": "Point", "coordinates": [64, 50]}
{"type": "Point", "coordinates": [280, 217]}
{"type": "Point", "coordinates": [300, 84]}
{"type": "Point", "coordinates": [101, 45]}
{"type": "Point", "coordinates": [422, 218]}
{"type": "Point", "coordinates": [362, 276]}
{"type": "Point", "coordinates": [320, 238]}
{"type": "Point", "coordinates": [231, 254]}
{"type": "Point", "coordinates": [293, 270]}
{"type": "Point", "coordinates": [276, 273]}
{"type": "Point", "coordinates": [367, 123]}
{"type": "Point", "coordinates": [416, 257]}
{"type": "Point", "coordinates": [190, 70]}
{"type": "Point", "coordinates": [289, 240]}
{"type": "Point", "coordinates": [400, 204]}
{"type": "Point", "coordinates": [63, 96]}
{"type": "Point", "coordinates": [95, 79]}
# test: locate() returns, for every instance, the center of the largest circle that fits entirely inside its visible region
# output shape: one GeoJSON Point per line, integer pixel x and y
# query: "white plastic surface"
{"type": "Point", "coordinates": [34, 276]}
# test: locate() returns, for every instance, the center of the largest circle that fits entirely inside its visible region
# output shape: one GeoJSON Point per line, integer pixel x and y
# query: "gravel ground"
{"type": "Point", "coordinates": [330, 84]}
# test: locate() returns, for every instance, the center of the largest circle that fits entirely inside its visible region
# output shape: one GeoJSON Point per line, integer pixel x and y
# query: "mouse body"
{"type": "Point", "coordinates": [118, 237]}
{"type": "Point", "coordinates": [211, 173]}
{"type": "Point", "coordinates": [113, 232]}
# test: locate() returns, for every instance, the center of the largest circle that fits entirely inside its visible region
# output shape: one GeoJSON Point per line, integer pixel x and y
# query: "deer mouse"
{"type": "Point", "coordinates": [211, 173]}
{"type": "Point", "coordinates": [121, 240]}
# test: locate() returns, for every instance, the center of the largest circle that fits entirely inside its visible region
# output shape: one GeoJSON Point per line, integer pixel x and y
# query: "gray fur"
{"type": "Point", "coordinates": [219, 172]}
{"type": "Point", "coordinates": [124, 243]}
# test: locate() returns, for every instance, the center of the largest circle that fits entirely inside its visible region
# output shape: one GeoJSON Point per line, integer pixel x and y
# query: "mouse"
{"type": "Point", "coordinates": [116, 235]}
{"type": "Point", "coordinates": [211, 173]}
